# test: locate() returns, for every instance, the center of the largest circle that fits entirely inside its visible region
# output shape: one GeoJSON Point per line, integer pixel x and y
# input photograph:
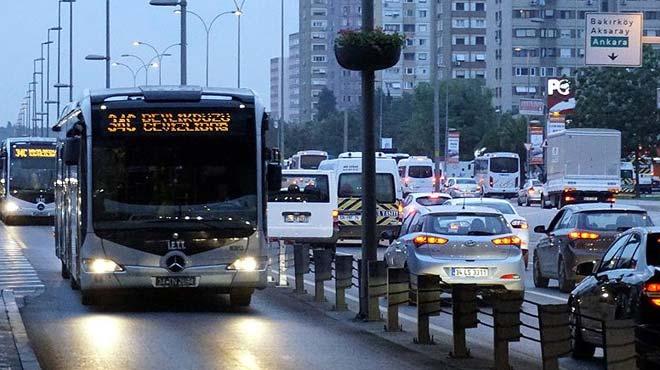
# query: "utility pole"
{"type": "Point", "coordinates": [345, 131]}
{"type": "Point", "coordinates": [107, 44]}
{"type": "Point", "coordinates": [369, 240]}
{"type": "Point", "coordinates": [436, 94]}
{"type": "Point", "coordinates": [184, 43]}
{"type": "Point", "coordinates": [282, 66]}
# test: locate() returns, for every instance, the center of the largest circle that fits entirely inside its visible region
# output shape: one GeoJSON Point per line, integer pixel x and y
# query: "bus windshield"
{"type": "Point", "coordinates": [350, 186]}
{"type": "Point", "coordinates": [504, 165]}
{"type": "Point", "coordinates": [197, 181]}
{"type": "Point", "coordinates": [32, 172]}
{"type": "Point", "coordinates": [311, 162]}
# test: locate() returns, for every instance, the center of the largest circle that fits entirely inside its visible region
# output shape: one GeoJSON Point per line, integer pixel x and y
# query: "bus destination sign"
{"type": "Point", "coordinates": [30, 152]}
{"type": "Point", "coordinates": [167, 122]}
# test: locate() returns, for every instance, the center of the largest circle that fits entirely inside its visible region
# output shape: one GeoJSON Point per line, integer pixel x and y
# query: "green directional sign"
{"type": "Point", "coordinates": [614, 39]}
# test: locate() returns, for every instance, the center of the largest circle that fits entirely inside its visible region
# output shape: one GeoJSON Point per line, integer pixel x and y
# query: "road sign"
{"type": "Point", "coordinates": [528, 146]}
{"type": "Point", "coordinates": [614, 39]}
{"type": "Point", "coordinates": [531, 107]}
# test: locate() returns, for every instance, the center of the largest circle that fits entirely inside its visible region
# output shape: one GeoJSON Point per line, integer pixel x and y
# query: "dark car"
{"type": "Point", "coordinates": [624, 285]}
{"type": "Point", "coordinates": [580, 233]}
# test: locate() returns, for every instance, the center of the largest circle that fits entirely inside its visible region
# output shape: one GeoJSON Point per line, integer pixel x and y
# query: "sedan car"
{"type": "Point", "coordinates": [462, 245]}
{"type": "Point", "coordinates": [517, 222]}
{"type": "Point", "coordinates": [530, 193]}
{"type": "Point", "coordinates": [416, 201]}
{"type": "Point", "coordinates": [580, 233]}
{"type": "Point", "coordinates": [625, 284]}
{"type": "Point", "coordinates": [462, 187]}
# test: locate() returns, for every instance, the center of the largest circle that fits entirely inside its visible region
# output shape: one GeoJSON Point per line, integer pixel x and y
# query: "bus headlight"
{"type": "Point", "coordinates": [244, 264]}
{"type": "Point", "coordinates": [11, 207]}
{"type": "Point", "coordinates": [101, 266]}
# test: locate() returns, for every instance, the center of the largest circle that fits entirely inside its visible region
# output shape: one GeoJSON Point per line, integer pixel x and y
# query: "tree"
{"type": "Point", "coordinates": [623, 99]}
{"type": "Point", "coordinates": [327, 104]}
{"type": "Point", "coordinates": [508, 135]}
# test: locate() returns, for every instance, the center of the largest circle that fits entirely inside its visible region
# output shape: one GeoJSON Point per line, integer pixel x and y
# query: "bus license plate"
{"type": "Point", "coordinates": [590, 199]}
{"type": "Point", "coordinates": [469, 272]}
{"type": "Point", "coordinates": [175, 281]}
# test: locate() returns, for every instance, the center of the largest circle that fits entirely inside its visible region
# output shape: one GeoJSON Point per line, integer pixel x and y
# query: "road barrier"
{"type": "Point", "coordinates": [506, 323]}
{"type": "Point", "coordinates": [301, 267]}
{"type": "Point", "coordinates": [322, 272]}
{"type": "Point", "coordinates": [464, 316]}
{"type": "Point", "coordinates": [427, 292]}
{"type": "Point", "coordinates": [343, 279]}
{"type": "Point", "coordinates": [554, 333]}
{"type": "Point", "coordinates": [398, 284]}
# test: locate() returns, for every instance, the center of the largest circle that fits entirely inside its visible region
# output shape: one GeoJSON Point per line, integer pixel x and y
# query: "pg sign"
{"type": "Point", "coordinates": [614, 39]}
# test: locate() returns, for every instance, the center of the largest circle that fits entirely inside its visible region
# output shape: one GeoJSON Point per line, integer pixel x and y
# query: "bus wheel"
{"type": "Point", "coordinates": [240, 298]}
{"type": "Point", "coordinates": [87, 298]}
{"type": "Point", "coordinates": [64, 271]}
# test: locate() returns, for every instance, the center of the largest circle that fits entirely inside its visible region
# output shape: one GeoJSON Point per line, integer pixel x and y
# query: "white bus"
{"type": "Point", "coordinates": [307, 160]}
{"type": "Point", "coordinates": [163, 188]}
{"type": "Point", "coordinates": [498, 174]}
{"type": "Point", "coordinates": [28, 178]}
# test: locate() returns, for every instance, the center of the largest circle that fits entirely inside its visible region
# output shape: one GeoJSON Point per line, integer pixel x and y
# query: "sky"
{"type": "Point", "coordinates": [24, 26]}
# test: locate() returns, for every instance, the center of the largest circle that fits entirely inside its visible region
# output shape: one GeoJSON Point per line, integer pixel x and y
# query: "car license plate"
{"type": "Point", "coordinates": [175, 281]}
{"type": "Point", "coordinates": [469, 272]}
{"type": "Point", "coordinates": [590, 199]}
{"type": "Point", "coordinates": [350, 217]}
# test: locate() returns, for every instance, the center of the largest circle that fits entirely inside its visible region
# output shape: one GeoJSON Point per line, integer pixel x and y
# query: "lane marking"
{"type": "Point", "coordinates": [562, 299]}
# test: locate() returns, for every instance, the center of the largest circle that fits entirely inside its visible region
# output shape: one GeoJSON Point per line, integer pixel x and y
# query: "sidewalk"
{"type": "Point", "coordinates": [649, 205]}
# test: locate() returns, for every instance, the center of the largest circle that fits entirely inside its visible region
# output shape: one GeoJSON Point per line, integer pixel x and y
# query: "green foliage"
{"type": "Point", "coordinates": [327, 104]}
{"type": "Point", "coordinates": [376, 37]}
{"type": "Point", "coordinates": [408, 120]}
{"type": "Point", "coordinates": [508, 135]}
{"type": "Point", "coordinates": [623, 99]}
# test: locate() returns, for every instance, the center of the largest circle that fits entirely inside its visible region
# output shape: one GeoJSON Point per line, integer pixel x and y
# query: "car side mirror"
{"type": "Point", "coordinates": [585, 268]}
{"type": "Point", "coordinates": [72, 151]}
{"type": "Point", "coordinates": [274, 177]}
{"type": "Point", "coordinates": [540, 229]}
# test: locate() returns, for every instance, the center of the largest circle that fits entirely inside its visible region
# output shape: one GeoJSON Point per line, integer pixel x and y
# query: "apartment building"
{"type": "Point", "coordinates": [530, 41]}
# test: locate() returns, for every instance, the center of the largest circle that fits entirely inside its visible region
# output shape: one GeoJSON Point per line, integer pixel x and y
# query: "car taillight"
{"type": "Point", "coordinates": [569, 198]}
{"type": "Point", "coordinates": [406, 180]}
{"type": "Point", "coordinates": [582, 235]}
{"type": "Point", "coordinates": [507, 241]}
{"type": "Point", "coordinates": [400, 208]}
{"type": "Point", "coordinates": [420, 240]}
{"type": "Point", "coordinates": [510, 277]}
{"type": "Point", "coordinates": [610, 200]}
{"type": "Point", "coordinates": [519, 224]}
{"type": "Point", "coordinates": [652, 290]}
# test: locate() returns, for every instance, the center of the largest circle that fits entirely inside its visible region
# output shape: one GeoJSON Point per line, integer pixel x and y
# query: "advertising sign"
{"type": "Point", "coordinates": [555, 124]}
{"type": "Point", "coordinates": [614, 39]}
{"type": "Point", "coordinates": [536, 149]}
{"type": "Point", "coordinates": [386, 143]}
{"type": "Point", "coordinates": [561, 99]}
{"type": "Point", "coordinates": [531, 107]}
{"type": "Point", "coordinates": [453, 146]}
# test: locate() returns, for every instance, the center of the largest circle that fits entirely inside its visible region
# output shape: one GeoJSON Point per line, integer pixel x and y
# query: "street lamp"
{"type": "Point", "coordinates": [48, 101]}
{"type": "Point", "coordinates": [184, 43]}
{"type": "Point", "coordinates": [59, 48]}
{"type": "Point", "coordinates": [103, 58]}
{"type": "Point", "coordinates": [134, 73]}
{"type": "Point", "coordinates": [143, 64]}
{"type": "Point", "coordinates": [159, 55]}
{"type": "Point", "coordinates": [207, 28]}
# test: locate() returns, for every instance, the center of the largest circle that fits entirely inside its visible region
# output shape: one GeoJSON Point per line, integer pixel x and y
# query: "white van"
{"type": "Point", "coordinates": [348, 170]}
{"type": "Point", "coordinates": [304, 210]}
{"type": "Point", "coordinates": [416, 175]}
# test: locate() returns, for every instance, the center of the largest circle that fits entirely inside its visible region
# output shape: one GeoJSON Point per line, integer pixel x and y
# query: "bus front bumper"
{"type": "Point", "coordinates": [13, 208]}
{"type": "Point", "coordinates": [216, 277]}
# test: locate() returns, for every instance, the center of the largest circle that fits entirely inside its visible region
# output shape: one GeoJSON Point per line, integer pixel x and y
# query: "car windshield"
{"type": "Point", "coordinates": [611, 220]}
{"type": "Point", "coordinates": [431, 200]}
{"type": "Point", "coordinates": [467, 223]}
{"type": "Point", "coordinates": [302, 188]}
{"type": "Point", "coordinates": [420, 172]}
{"type": "Point", "coordinates": [653, 250]}
{"type": "Point", "coordinates": [350, 186]}
{"type": "Point", "coordinates": [311, 161]}
{"type": "Point", "coordinates": [504, 165]}
{"type": "Point", "coordinates": [466, 182]}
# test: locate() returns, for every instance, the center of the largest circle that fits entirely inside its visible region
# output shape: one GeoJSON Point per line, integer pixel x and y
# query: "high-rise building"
{"type": "Point", "coordinates": [530, 41]}
{"type": "Point", "coordinates": [275, 88]}
{"type": "Point", "coordinates": [292, 111]}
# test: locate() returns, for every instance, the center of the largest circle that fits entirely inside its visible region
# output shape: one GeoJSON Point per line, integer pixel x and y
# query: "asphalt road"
{"type": "Point", "coordinates": [189, 332]}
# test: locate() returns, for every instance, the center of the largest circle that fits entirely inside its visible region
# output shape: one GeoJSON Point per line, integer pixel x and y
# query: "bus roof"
{"type": "Point", "coordinates": [312, 152]}
{"type": "Point", "coordinates": [30, 139]}
{"type": "Point", "coordinates": [170, 93]}
{"type": "Point", "coordinates": [500, 154]}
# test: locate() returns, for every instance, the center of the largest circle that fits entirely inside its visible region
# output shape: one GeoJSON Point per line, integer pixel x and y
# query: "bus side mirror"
{"type": "Point", "coordinates": [71, 151]}
{"type": "Point", "coordinates": [274, 177]}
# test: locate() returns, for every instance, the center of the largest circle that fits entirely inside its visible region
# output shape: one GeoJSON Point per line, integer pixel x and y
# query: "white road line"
{"type": "Point", "coordinates": [562, 299]}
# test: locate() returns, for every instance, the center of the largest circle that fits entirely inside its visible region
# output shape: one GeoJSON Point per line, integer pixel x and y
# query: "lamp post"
{"type": "Point", "coordinates": [207, 28]}
{"type": "Point", "coordinates": [70, 47]}
{"type": "Point", "coordinates": [183, 4]}
{"type": "Point", "coordinates": [48, 101]}
{"type": "Point", "coordinates": [107, 44]}
{"type": "Point", "coordinates": [142, 63]}
{"type": "Point", "coordinates": [41, 84]}
{"type": "Point", "coordinates": [159, 56]}
{"type": "Point", "coordinates": [59, 84]}
{"type": "Point", "coordinates": [133, 72]}
{"type": "Point", "coordinates": [103, 58]}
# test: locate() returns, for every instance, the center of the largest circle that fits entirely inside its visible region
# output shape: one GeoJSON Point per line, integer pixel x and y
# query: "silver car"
{"type": "Point", "coordinates": [462, 245]}
{"type": "Point", "coordinates": [530, 193]}
{"type": "Point", "coordinates": [462, 187]}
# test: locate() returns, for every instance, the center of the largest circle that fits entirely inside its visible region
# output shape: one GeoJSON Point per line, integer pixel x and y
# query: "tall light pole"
{"type": "Point", "coordinates": [159, 56]}
{"type": "Point", "coordinates": [48, 101]}
{"type": "Point", "coordinates": [142, 63]}
{"type": "Point", "coordinates": [41, 86]}
{"type": "Point", "coordinates": [70, 47]}
{"type": "Point", "coordinates": [133, 72]}
{"type": "Point", "coordinates": [436, 94]}
{"type": "Point", "coordinates": [282, 66]}
{"type": "Point", "coordinates": [207, 28]}
{"type": "Point", "coordinates": [183, 4]}
{"type": "Point", "coordinates": [107, 44]}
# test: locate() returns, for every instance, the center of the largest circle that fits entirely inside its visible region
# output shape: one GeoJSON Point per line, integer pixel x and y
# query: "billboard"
{"type": "Point", "coordinates": [453, 146]}
{"type": "Point", "coordinates": [555, 123]}
{"type": "Point", "coordinates": [561, 98]}
{"type": "Point", "coordinates": [535, 153]}
{"type": "Point", "coordinates": [531, 107]}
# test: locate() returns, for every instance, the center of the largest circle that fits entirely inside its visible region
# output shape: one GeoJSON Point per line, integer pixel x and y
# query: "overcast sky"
{"type": "Point", "coordinates": [24, 25]}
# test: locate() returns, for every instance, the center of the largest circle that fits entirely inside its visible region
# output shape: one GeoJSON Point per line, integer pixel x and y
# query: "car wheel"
{"type": "Point", "coordinates": [64, 271]}
{"type": "Point", "coordinates": [543, 202]}
{"type": "Point", "coordinates": [519, 202]}
{"type": "Point", "coordinates": [240, 298]}
{"type": "Point", "coordinates": [580, 348]}
{"type": "Point", "coordinates": [527, 203]}
{"type": "Point", "coordinates": [565, 285]}
{"type": "Point", "coordinates": [87, 298]}
{"type": "Point", "coordinates": [539, 280]}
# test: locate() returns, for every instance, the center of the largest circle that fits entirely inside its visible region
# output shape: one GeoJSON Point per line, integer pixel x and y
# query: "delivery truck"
{"type": "Point", "coordinates": [582, 165]}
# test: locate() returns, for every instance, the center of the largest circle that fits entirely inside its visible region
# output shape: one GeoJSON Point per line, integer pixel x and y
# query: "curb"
{"type": "Point", "coordinates": [25, 353]}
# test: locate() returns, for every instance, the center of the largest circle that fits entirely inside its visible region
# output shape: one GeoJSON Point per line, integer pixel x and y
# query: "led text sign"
{"type": "Point", "coordinates": [34, 152]}
{"type": "Point", "coordinates": [157, 122]}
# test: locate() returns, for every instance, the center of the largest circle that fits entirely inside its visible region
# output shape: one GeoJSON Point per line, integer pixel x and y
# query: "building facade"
{"type": "Point", "coordinates": [530, 41]}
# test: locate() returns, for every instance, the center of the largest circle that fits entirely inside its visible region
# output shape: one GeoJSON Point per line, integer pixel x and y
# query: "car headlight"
{"type": "Point", "coordinates": [11, 207]}
{"type": "Point", "coordinates": [244, 264]}
{"type": "Point", "coordinates": [101, 266]}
